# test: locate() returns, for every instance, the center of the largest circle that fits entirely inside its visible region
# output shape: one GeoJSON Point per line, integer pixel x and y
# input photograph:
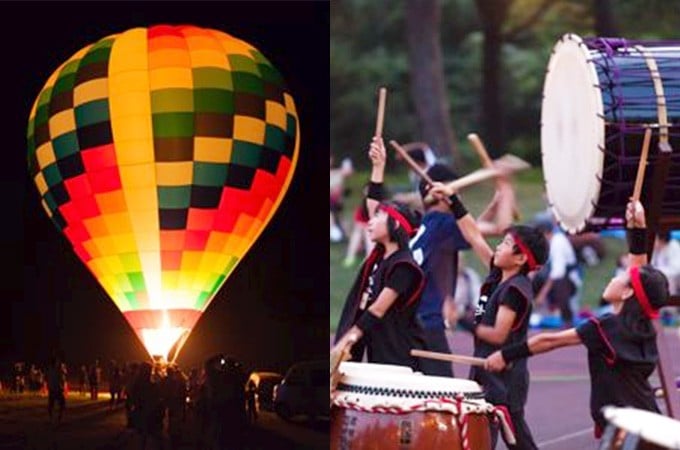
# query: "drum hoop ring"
{"type": "Point", "coordinates": [408, 393]}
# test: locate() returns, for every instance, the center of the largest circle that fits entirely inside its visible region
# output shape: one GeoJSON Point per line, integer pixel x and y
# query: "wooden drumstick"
{"type": "Point", "coordinates": [416, 168]}
{"type": "Point", "coordinates": [381, 112]}
{"type": "Point", "coordinates": [486, 162]}
{"type": "Point", "coordinates": [462, 359]}
{"type": "Point", "coordinates": [336, 358]}
{"type": "Point", "coordinates": [479, 147]}
{"type": "Point", "coordinates": [414, 165]}
{"type": "Point", "coordinates": [511, 162]}
{"type": "Point", "coordinates": [639, 180]}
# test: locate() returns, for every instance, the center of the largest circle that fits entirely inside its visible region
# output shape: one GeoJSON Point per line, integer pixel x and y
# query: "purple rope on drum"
{"type": "Point", "coordinates": [629, 106]}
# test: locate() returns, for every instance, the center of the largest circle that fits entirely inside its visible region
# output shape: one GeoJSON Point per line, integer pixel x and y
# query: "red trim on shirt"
{"type": "Point", "coordinates": [612, 360]}
{"type": "Point", "coordinates": [526, 309]}
{"type": "Point", "coordinates": [418, 290]}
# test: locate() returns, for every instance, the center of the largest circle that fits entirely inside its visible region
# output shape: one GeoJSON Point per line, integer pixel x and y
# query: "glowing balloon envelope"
{"type": "Point", "coordinates": [161, 154]}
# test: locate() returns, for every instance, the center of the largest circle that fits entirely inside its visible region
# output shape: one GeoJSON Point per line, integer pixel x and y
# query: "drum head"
{"type": "Point", "coordinates": [380, 376]}
{"type": "Point", "coordinates": [354, 367]}
{"type": "Point", "coordinates": [654, 428]}
{"type": "Point", "coordinates": [572, 133]}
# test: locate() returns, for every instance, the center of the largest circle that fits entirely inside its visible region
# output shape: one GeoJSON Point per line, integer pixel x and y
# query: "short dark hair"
{"type": "Point", "coordinates": [534, 240]}
{"type": "Point", "coordinates": [636, 325]}
{"type": "Point", "coordinates": [438, 172]}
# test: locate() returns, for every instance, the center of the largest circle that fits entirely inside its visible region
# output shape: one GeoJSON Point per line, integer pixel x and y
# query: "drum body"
{"type": "Point", "coordinates": [599, 97]}
{"type": "Point", "coordinates": [378, 408]}
{"type": "Point", "coordinates": [634, 429]}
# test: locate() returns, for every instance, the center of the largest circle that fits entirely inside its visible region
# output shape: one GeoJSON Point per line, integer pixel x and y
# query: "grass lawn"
{"type": "Point", "coordinates": [529, 187]}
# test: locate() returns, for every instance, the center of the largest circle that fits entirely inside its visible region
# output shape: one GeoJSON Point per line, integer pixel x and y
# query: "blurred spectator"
{"type": "Point", "coordinates": [83, 387]}
{"type": "Point", "coordinates": [251, 400]}
{"type": "Point", "coordinates": [147, 407]}
{"type": "Point", "coordinates": [94, 377]}
{"type": "Point", "coordinates": [56, 381]}
{"type": "Point", "coordinates": [589, 248]}
{"type": "Point", "coordinates": [562, 286]}
{"type": "Point", "coordinates": [174, 394]}
{"type": "Point", "coordinates": [19, 377]}
{"type": "Point", "coordinates": [223, 403]}
{"type": "Point", "coordinates": [115, 384]}
{"type": "Point", "coordinates": [467, 291]}
{"type": "Point", "coordinates": [130, 381]}
{"type": "Point", "coordinates": [337, 194]}
{"type": "Point", "coordinates": [666, 258]}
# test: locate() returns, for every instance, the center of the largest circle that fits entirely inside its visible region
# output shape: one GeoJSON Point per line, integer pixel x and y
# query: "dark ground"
{"type": "Point", "coordinates": [24, 424]}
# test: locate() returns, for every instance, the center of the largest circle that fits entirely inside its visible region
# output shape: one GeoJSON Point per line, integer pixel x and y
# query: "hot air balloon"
{"type": "Point", "coordinates": [161, 154]}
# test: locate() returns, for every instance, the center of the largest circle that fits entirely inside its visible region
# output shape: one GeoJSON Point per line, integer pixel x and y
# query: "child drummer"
{"type": "Point", "coordinates": [503, 311]}
{"type": "Point", "coordinates": [622, 351]}
{"type": "Point", "coordinates": [379, 315]}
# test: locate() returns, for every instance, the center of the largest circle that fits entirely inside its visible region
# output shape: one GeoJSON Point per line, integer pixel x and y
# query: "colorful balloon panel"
{"type": "Point", "coordinates": [161, 154]}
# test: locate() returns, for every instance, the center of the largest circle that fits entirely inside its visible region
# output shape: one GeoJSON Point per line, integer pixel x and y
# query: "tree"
{"type": "Point", "coordinates": [428, 87]}
{"type": "Point", "coordinates": [605, 25]}
{"type": "Point", "coordinates": [493, 15]}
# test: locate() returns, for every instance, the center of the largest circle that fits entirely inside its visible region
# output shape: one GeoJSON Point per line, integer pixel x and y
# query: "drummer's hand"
{"type": "Point", "coordinates": [495, 362]}
{"type": "Point", "coordinates": [440, 191]}
{"type": "Point", "coordinates": [377, 152]}
{"type": "Point", "coordinates": [635, 215]}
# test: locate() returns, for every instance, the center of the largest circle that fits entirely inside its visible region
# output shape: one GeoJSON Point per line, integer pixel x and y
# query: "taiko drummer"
{"type": "Point", "coordinates": [503, 309]}
{"type": "Point", "coordinates": [379, 315]}
{"type": "Point", "coordinates": [622, 351]}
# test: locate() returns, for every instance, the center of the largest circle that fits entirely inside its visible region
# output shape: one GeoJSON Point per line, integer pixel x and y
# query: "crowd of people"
{"type": "Point", "coordinates": [159, 399]}
{"type": "Point", "coordinates": [404, 296]}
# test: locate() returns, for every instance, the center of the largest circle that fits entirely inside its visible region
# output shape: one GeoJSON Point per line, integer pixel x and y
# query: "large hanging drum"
{"type": "Point", "coordinates": [599, 97]}
{"type": "Point", "coordinates": [392, 408]}
{"type": "Point", "coordinates": [635, 429]}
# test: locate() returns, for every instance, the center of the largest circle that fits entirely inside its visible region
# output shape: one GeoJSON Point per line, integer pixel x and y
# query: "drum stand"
{"type": "Point", "coordinates": [655, 223]}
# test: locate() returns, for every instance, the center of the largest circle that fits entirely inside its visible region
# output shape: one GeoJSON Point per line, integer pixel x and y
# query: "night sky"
{"type": "Point", "coordinates": [273, 310]}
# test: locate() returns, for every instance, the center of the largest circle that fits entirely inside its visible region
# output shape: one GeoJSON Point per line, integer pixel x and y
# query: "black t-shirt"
{"type": "Point", "coordinates": [514, 300]}
{"type": "Point", "coordinates": [391, 340]}
{"type": "Point", "coordinates": [619, 367]}
{"type": "Point", "coordinates": [510, 387]}
{"type": "Point", "coordinates": [402, 279]}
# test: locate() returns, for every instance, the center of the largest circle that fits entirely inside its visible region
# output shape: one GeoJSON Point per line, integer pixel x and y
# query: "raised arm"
{"type": "Point", "coordinates": [636, 233]}
{"type": "Point", "coordinates": [378, 157]}
{"type": "Point", "coordinates": [466, 223]}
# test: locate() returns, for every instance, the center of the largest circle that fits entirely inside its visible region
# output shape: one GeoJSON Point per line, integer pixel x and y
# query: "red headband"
{"type": "Point", "coordinates": [396, 215]}
{"type": "Point", "coordinates": [640, 293]}
{"type": "Point", "coordinates": [531, 261]}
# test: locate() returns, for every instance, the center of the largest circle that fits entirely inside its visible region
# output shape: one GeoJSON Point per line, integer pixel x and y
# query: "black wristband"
{"type": "Point", "coordinates": [367, 321]}
{"type": "Point", "coordinates": [457, 207]}
{"type": "Point", "coordinates": [376, 191]}
{"type": "Point", "coordinates": [637, 240]}
{"type": "Point", "coordinates": [515, 351]}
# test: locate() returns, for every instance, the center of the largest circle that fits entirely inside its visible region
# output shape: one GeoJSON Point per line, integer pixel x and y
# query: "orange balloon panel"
{"type": "Point", "coordinates": [162, 154]}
